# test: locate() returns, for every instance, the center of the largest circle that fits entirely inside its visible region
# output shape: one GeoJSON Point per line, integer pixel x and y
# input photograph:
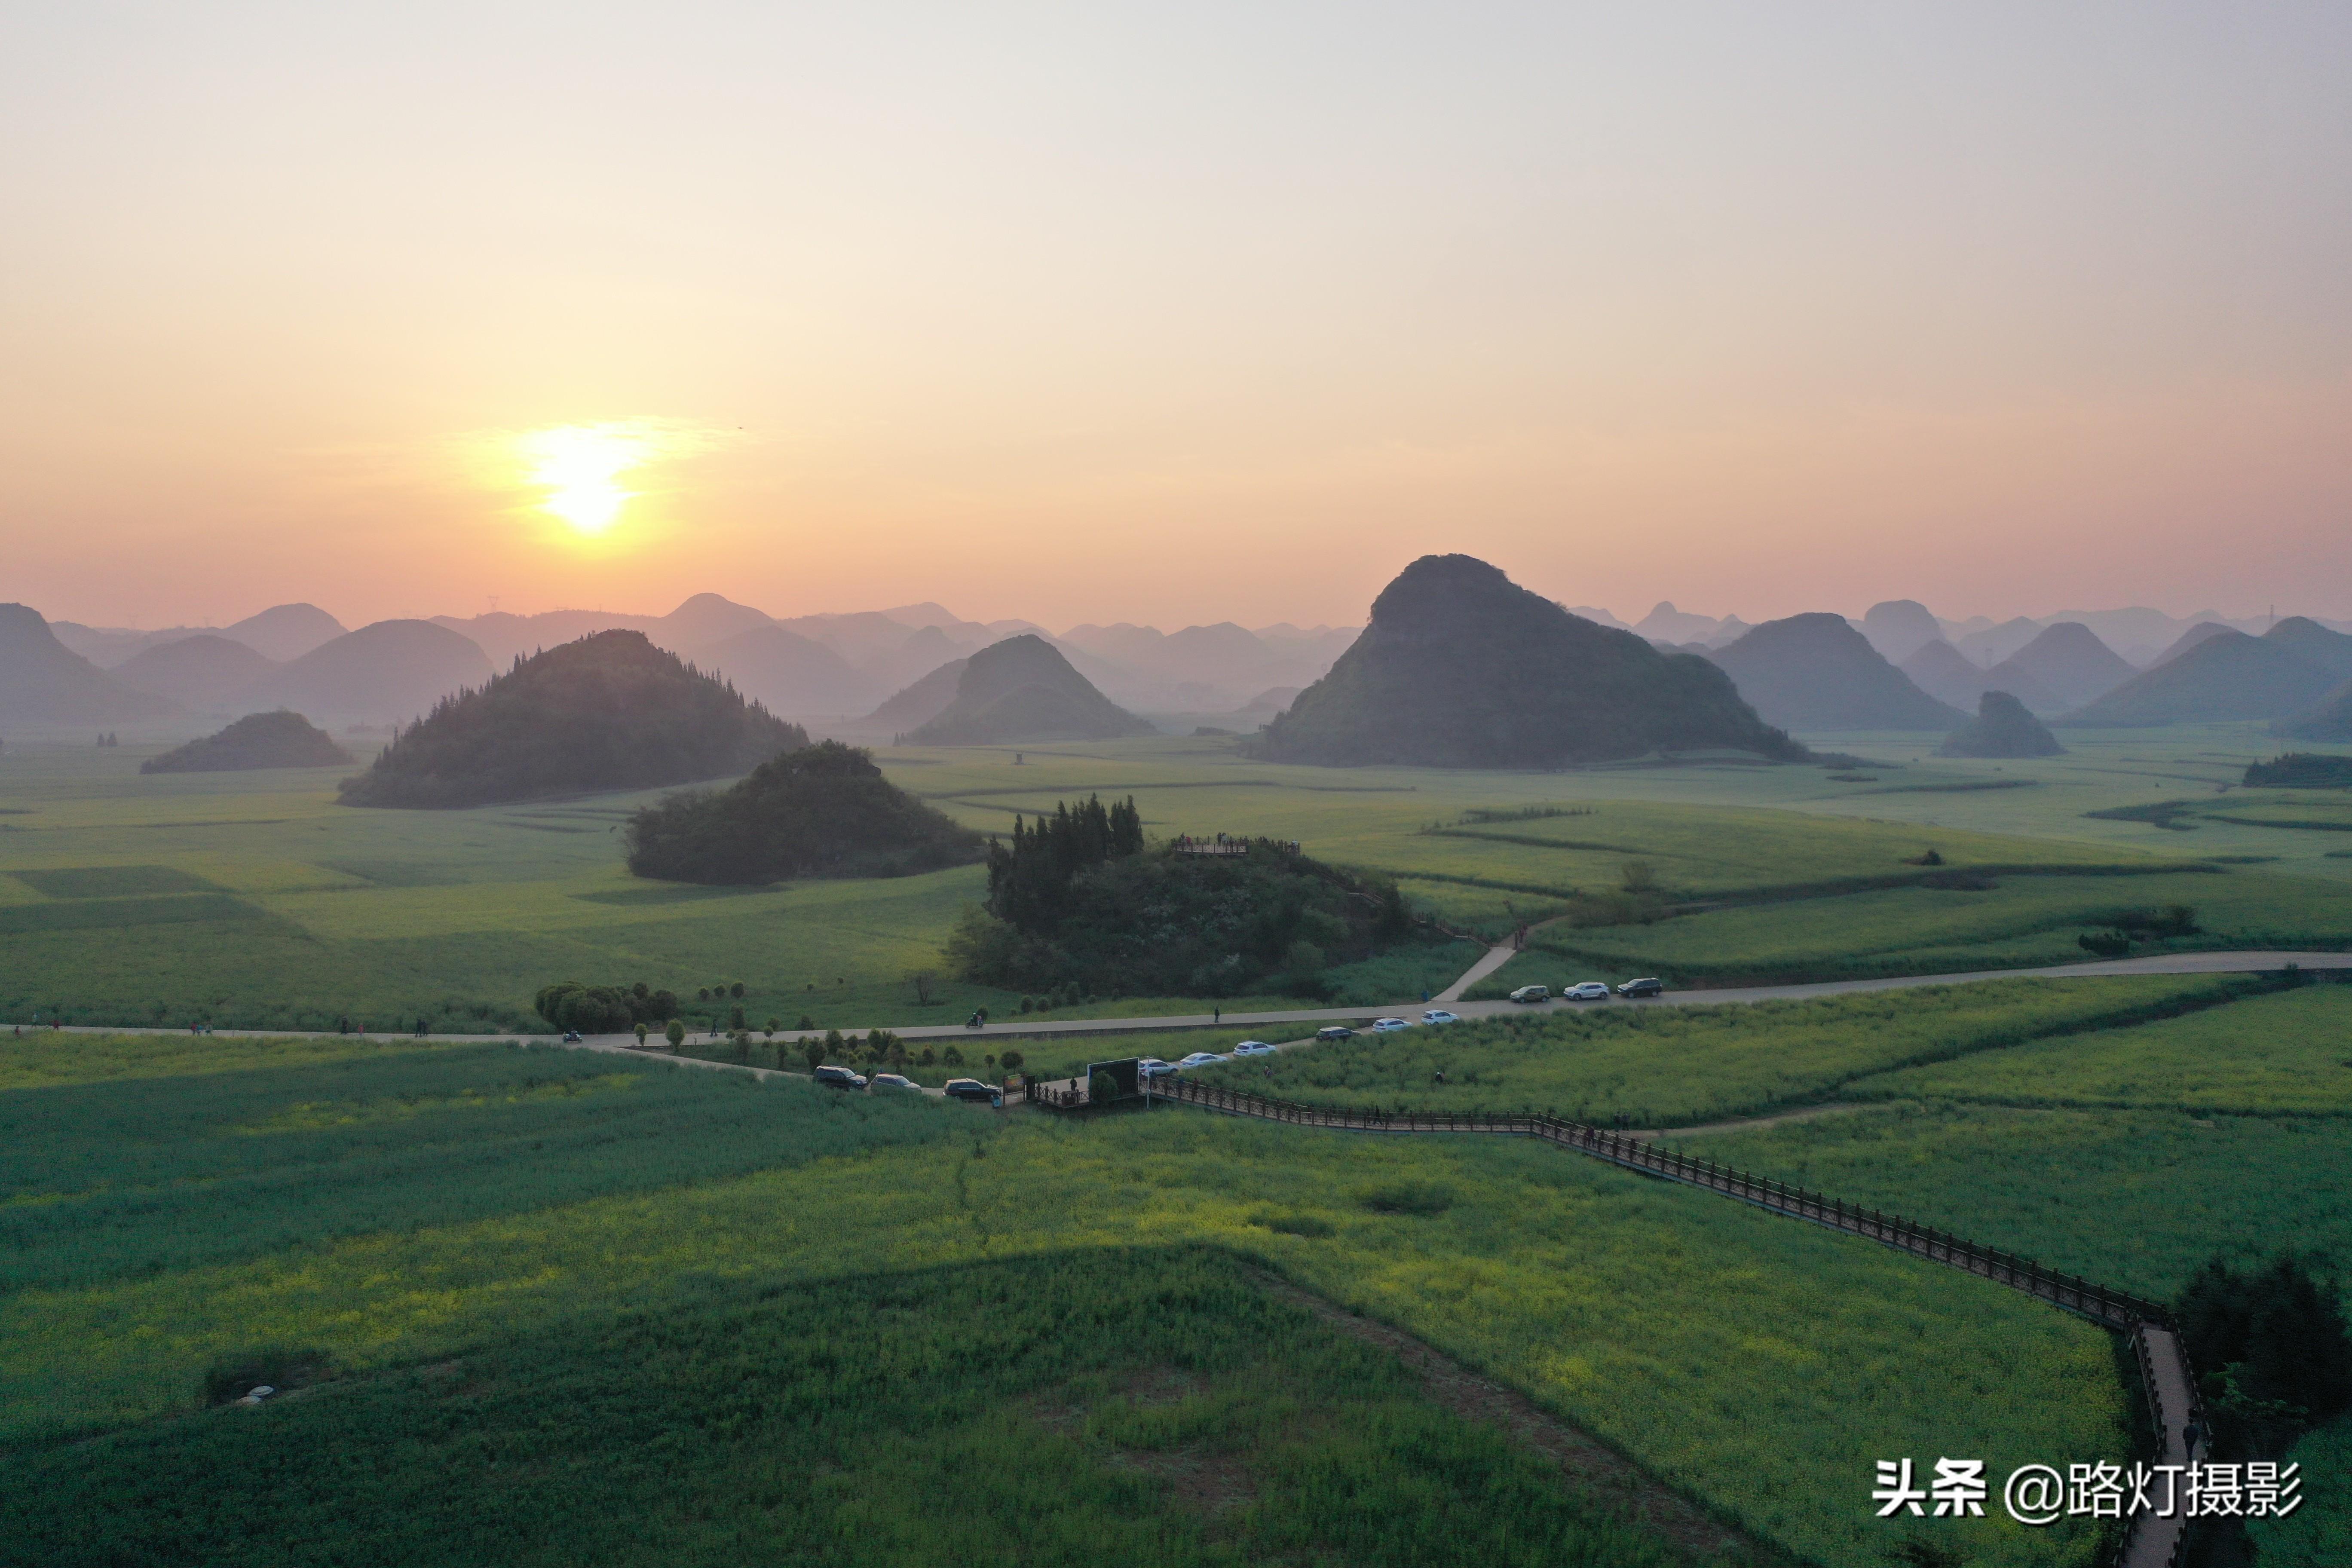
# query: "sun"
{"type": "Point", "coordinates": [580, 467]}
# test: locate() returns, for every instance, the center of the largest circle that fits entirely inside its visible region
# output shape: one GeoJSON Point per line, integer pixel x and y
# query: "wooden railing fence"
{"type": "Point", "coordinates": [2101, 1304]}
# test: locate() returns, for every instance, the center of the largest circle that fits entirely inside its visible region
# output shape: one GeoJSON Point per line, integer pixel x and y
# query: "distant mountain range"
{"type": "Point", "coordinates": [874, 673]}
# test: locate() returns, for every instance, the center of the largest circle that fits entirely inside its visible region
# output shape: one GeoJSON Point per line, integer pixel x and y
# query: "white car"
{"type": "Point", "coordinates": [891, 1081]}
{"type": "Point", "coordinates": [1253, 1048]}
{"type": "Point", "coordinates": [1152, 1066]}
{"type": "Point", "coordinates": [1439, 1015]}
{"type": "Point", "coordinates": [1388, 1025]}
{"type": "Point", "coordinates": [1199, 1060]}
{"type": "Point", "coordinates": [1590, 991]}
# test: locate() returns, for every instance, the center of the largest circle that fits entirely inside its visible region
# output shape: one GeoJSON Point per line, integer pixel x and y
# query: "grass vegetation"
{"type": "Point", "coordinates": [2013, 922]}
{"type": "Point", "coordinates": [295, 913]}
{"type": "Point", "coordinates": [2286, 1053]}
{"type": "Point", "coordinates": [1760, 1365]}
{"type": "Point", "coordinates": [1670, 1066]}
{"type": "Point", "coordinates": [1129, 1406]}
{"type": "Point", "coordinates": [121, 1161]}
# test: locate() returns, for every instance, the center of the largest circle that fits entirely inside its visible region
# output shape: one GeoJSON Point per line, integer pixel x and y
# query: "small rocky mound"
{"type": "Point", "coordinates": [279, 739]}
{"type": "Point", "coordinates": [2003, 727]}
{"type": "Point", "coordinates": [1461, 668]}
{"type": "Point", "coordinates": [609, 711]}
{"type": "Point", "coordinates": [1023, 689]}
{"type": "Point", "coordinates": [822, 811]}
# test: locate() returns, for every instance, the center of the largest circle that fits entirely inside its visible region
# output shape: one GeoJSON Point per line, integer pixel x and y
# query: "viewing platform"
{"type": "Point", "coordinates": [1225, 844]}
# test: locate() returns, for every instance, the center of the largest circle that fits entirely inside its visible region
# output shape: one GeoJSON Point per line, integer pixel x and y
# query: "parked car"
{"type": "Point", "coordinates": [1650, 987]}
{"type": "Point", "coordinates": [891, 1081]}
{"type": "Point", "coordinates": [1532, 994]}
{"type": "Point", "coordinates": [1388, 1025]}
{"type": "Point", "coordinates": [1152, 1066]}
{"type": "Point", "coordinates": [1587, 991]}
{"type": "Point", "coordinates": [1439, 1015]}
{"type": "Point", "coordinates": [971, 1089]}
{"type": "Point", "coordinates": [1253, 1048]}
{"type": "Point", "coordinates": [1199, 1060]}
{"type": "Point", "coordinates": [840, 1078]}
{"type": "Point", "coordinates": [1336, 1032]}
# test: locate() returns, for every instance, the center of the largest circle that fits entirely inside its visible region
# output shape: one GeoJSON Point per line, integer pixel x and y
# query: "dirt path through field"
{"type": "Point", "coordinates": [1591, 1464]}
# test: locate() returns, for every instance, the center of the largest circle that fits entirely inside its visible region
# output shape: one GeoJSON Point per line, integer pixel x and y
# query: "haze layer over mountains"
{"type": "Point", "coordinates": [913, 671]}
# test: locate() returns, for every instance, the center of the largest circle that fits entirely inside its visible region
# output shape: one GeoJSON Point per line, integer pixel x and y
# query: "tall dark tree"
{"type": "Point", "coordinates": [1029, 880]}
{"type": "Point", "coordinates": [2270, 1346]}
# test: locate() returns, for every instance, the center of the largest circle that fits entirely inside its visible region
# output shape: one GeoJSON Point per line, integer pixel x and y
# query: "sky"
{"type": "Point", "coordinates": [1173, 313]}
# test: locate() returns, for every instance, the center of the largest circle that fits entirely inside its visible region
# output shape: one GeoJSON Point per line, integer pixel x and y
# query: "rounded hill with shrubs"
{"type": "Point", "coordinates": [610, 711]}
{"type": "Point", "coordinates": [279, 739]}
{"type": "Point", "coordinates": [821, 811]}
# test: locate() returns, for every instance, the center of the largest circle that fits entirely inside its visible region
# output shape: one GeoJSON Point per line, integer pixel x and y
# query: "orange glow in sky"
{"type": "Point", "coordinates": [1175, 314]}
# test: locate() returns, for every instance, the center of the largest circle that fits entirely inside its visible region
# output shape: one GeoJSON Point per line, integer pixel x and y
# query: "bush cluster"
{"type": "Point", "coordinates": [604, 1009]}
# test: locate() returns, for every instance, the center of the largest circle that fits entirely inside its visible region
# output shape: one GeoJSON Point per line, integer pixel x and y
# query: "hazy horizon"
{"type": "Point", "coordinates": [216, 621]}
{"type": "Point", "coordinates": [1175, 318]}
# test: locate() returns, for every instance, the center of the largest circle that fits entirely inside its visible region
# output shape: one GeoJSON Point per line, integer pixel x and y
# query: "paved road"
{"type": "Point", "coordinates": [1031, 1028]}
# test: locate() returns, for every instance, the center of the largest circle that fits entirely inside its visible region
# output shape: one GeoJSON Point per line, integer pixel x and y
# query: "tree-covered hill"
{"type": "Point", "coordinates": [610, 711]}
{"type": "Point", "coordinates": [1461, 668]}
{"type": "Point", "coordinates": [279, 739]}
{"type": "Point", "coordinates": [1080, 899]}
{"type": "Point", "coordinates": [821, 811]}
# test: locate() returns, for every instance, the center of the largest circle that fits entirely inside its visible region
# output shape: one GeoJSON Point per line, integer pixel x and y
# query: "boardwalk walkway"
{"type": "Point", "coordinates": [2166, 1376]}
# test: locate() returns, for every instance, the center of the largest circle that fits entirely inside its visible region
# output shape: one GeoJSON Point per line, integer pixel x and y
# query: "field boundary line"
{"type": "Point", "coordinates": [2169, 1382]}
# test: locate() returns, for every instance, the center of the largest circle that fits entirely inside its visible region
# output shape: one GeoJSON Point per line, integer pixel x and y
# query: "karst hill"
{"type": "Point", "coordinates": [43, 680]}
{"type": "Point", "coordinates": [2225, 675]}
{"type": "Point", "coordinates": [1817, 672]}
{"type": "Point", "coordinates": [1461, 667]}
{"type": "Point", "coordinates": [2003, 727]}
{"type": "Point", "coordinates": [391, 669]}
{"type": "Point", "coordinates": [279, 739]}
{"type": "Point", "coordinates": [610, 711]}
{"type": "Point", "coordinates": [1023, 689]}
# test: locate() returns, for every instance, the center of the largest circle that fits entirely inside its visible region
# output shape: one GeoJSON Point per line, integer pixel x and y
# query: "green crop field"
{"type": "Point", "coordinates": [2286, 1053]}
{"type": "Point", "coordinates": [1175, 1415]}
{"type": "Point", "coordinates": [255, 900]}
{"type": "Point", "coordinates": [2021, 921]}
{"type": "Point", "coordinates": [1664, 1067]}
{"type": "Point", "coordinates": [1760, 1365]}
{"type": "Point", "coordinates": [519, 1230]}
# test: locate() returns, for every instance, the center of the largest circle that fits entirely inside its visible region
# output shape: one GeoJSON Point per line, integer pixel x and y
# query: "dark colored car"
{"type": "Point", "coordinates": [971, 1089]}
{"type": "Point", "coordinates": [1336, 1032]}
{"type": "Point", "coordinates": [1641, 988]}
{"type": "Point", "coordinates": [840, 1078]}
